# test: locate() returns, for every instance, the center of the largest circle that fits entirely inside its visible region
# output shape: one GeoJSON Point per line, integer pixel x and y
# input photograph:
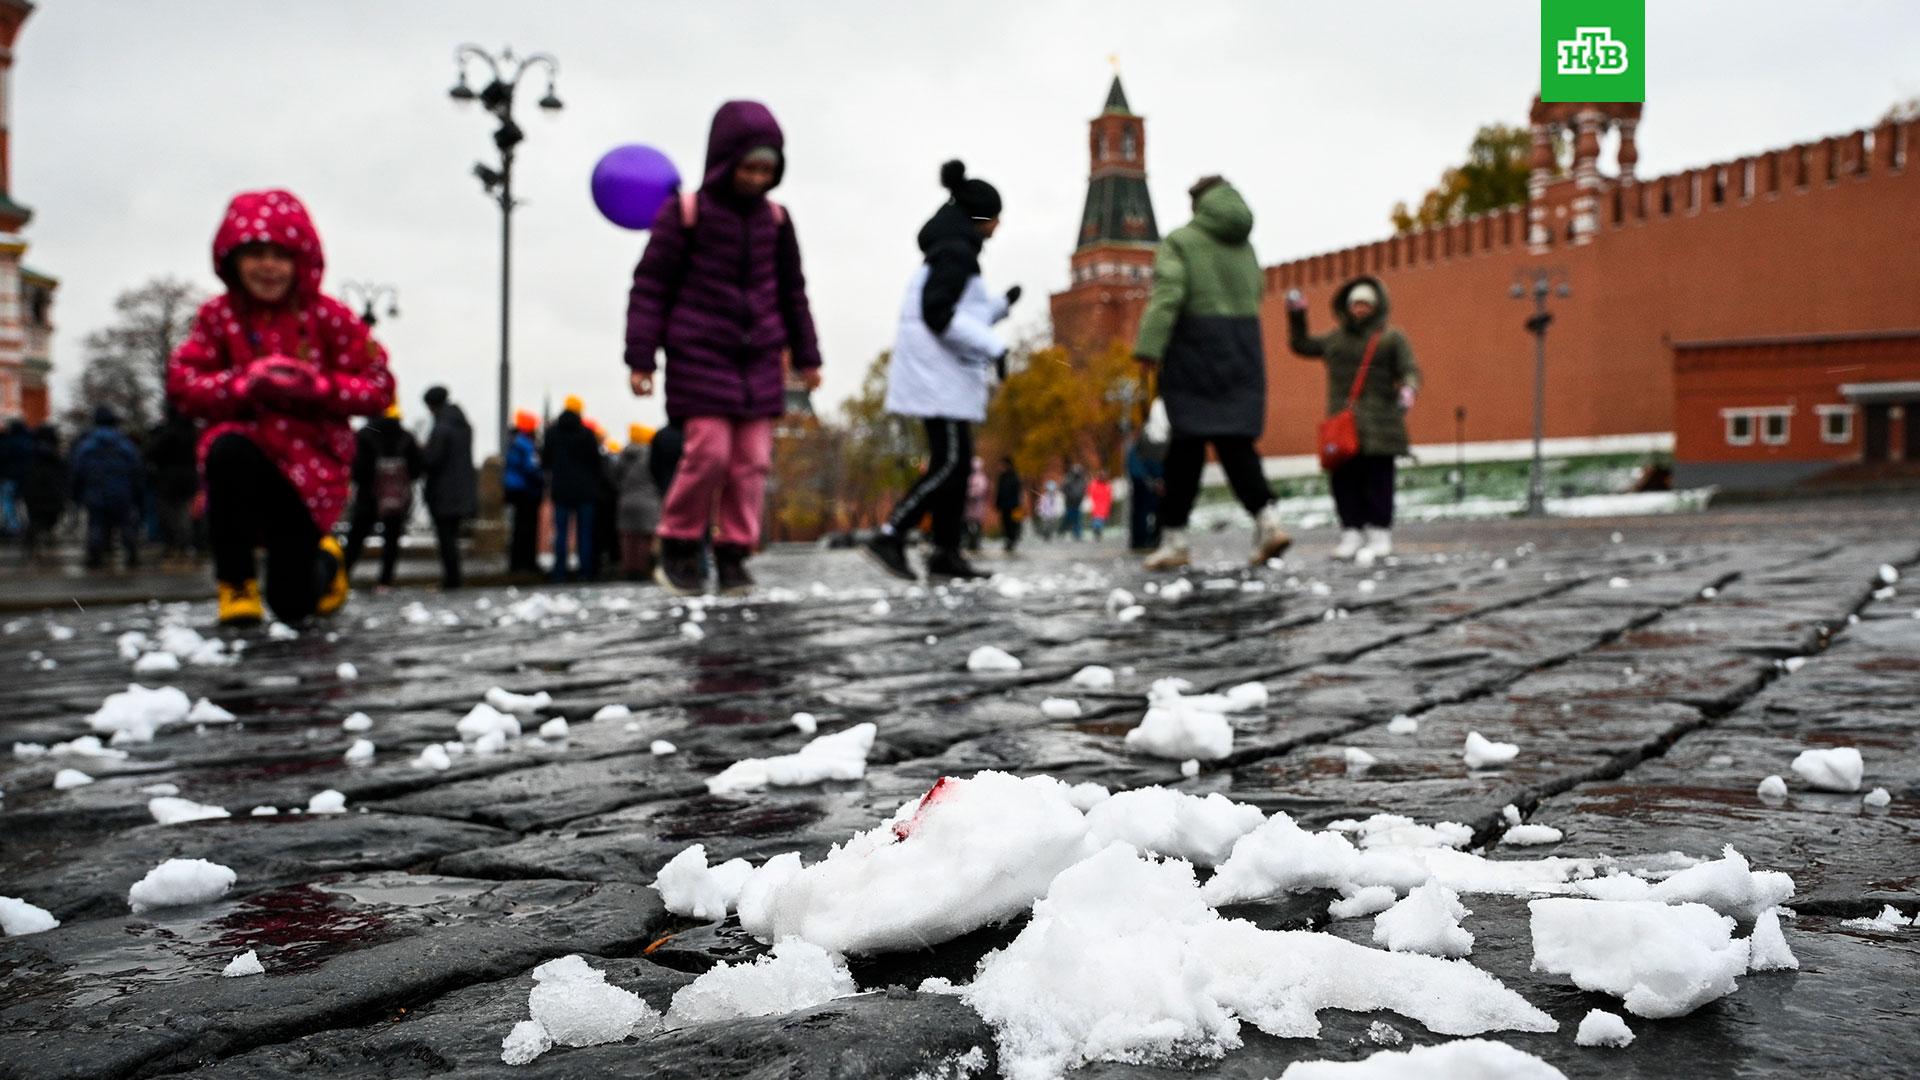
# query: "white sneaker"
{"type": "Point", "coordinates": [1379, 543]}
{"type": "Point", "coordinates": [1350, 544]}
{"type": "Point", "coordinates": [1172, 554]}
{"type": "Point", "coordinates": [1270, 539]}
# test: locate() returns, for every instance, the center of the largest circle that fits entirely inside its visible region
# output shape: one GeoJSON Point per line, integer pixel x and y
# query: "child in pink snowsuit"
{"type": "Point", "coordinates": [721, 290]}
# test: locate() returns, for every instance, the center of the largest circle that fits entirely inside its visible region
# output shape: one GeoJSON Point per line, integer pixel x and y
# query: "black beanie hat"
{"type": "Point", "coordinates": [977, 197]}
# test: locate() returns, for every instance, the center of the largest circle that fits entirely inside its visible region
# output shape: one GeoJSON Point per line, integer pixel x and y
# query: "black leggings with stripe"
{"type": "Point", "coordinates": [942, 489]}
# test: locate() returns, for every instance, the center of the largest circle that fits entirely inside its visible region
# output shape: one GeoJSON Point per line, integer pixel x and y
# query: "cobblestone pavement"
{"type": "Point", "coordinates": [1651, 681]}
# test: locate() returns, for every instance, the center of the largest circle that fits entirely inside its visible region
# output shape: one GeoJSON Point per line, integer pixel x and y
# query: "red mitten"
{"type": "Point", "coordinates": [281, 382]}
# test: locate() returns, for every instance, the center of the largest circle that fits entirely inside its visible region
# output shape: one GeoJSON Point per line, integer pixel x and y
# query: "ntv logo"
{"type": "Point", "coordinates": [1592, 51]}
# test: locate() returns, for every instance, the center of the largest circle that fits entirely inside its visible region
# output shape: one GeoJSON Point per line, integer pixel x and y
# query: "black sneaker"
{"type": "Point", "coordinates": [889, 554]}
{"type": "Point", "coordinates": [730, 569]}
{"type": "Point", "coordinates": [679, 570]}
{"type": "Point", "coordinates": [950, 564]}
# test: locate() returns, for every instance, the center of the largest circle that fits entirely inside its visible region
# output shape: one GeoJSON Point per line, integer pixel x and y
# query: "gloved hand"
{"type": "Point", "coordinates": [1013, 295]}
{"type": "Point", "coordinates": [281, 382]}
{"type": "Point", "coordinates": [1296, 301]}
{"type": "Point", "coordinates": [1000, 362]}
{"type": "Point", "coordinates": [1407, 395]}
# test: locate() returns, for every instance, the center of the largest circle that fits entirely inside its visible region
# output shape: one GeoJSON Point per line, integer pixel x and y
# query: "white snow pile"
{"type": "Point", "coordinates": [1889, 919]}
{"type": "Point", "coordinates": [1878, 797]}
{"type": "Point", "coordinates": [1365, 901]}
{"type": "Point", "coordinates": [1838, 769]}
{"type": "Point", "coordinates": [661, 748]}
{"type": "Point", "coordinates": [1396, 830]}
{"type": "Point", "coordinates": [18, 917]}
{"type": "Point", "coordinates": [327, 802]}
{"type": "Point", "coordinates": [804, 722]}
{"type": "Point", "coordinates": [84, 746]}
{"type": "Point", "coordinates": [346, 672]}
{"type": "Point", "coordinates": [612, 712]}
{"type": "Point", "coordinates": [433, 756]}
{"type": "Point", "coordinates": [1602, 1028]}
{"type": "Point", "coordinates": [171, 646]}
{"type": "Point", "coordinates": [540, 607]}
{"type": "Point", "coordinates": [1125, 961]}
{"type": "Point", "coordinates": [360, 753]}
{"type": "Point", "coordinates": [1094, 677]}
{"type": "Point", "coordinates": [206, 712]}
{"type": "Point", "coordinates": [573, 1005]}
{"type": "Point", "coordinates": [1168, 822]}
{"type": "Point", "coordinates": [1888, 574]}
{"type": "Point", "coordinates": [1060, 708]}
{"type": "Point", "coordinates": [988, 658]}
{"type": "Point", "coordinates": [518, 704]}
{"type": "Point", "coordinates": [156, 663]}
{"type": "Point", "coordinates": [1358, 760]}
{"type": "Point", "coordinates": [689, 887]}
{"type": "Point", "coordinates": [160, 789]}
{"type": "Point", "coordinates": [1767, 948]}
{"type": "Point", "coordinates": [1403, 725]}
{"type": "Point", "coordinates": [168, 810]}
{"type": "Point", "coordinates": [1281, 857]}
{"type": "Point", "coordinates": [556, 729]}
{"type": "Point", "coordinates": [1483, 753]}
{"type": "Point", "coordinates": [968, 853]}
{"type": "Point", "coordinates": [178, 882]}
{"type": "Point", "coordinates": [1462, 1059]}
{"type": "Point", "coordinates": [136, 713]}
{"type": "Point", "coordinates": [1728, 885]}
{"type": "Point", "coordinates": [487, 729]}
{"type": "Point", "coordinates": [1181, 726]}
{"type": "Point", "coordinates": [357, 723]}
{"type": "Point", "coordinates": [70, 778]}
{"type": "Point", "coordinates": [1661, 960]}
{"type": "Point", "coordinates": [798, 975]}
{"type": "Point", "coordinates": [1427, 921]}
{"type": "Point", "coordinates": [1530, 835]}
{"type": "Point", "coordinates": [1772, 788]}
{"type": "Point", "coordinates": [247, 963]}
{"type": "Point", "coordinates": [839, 756]}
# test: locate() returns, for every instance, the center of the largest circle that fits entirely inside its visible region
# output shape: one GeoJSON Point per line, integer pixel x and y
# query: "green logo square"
{"type": "Point", "coordinates": [1593, 50]}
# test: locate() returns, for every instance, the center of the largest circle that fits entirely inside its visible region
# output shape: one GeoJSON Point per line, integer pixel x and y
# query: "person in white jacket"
{"type": "Point", "coordinates": [944, 356]}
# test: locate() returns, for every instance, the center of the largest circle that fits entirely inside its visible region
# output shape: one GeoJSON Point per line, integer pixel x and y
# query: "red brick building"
{"type": "Point", "coordinates": [26, 296]}
{"type": "Point", "coordinates": [1112, 262]}
{"type": "Point", "coordinates": [1818, 238]}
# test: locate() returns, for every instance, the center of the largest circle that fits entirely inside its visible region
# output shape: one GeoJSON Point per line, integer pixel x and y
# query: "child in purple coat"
{"type": "Point", "coordinates": [721, 290]}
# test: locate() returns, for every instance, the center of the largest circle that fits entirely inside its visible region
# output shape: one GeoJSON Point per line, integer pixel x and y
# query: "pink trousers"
{"type": "Point", "coordinates": [724, 458]}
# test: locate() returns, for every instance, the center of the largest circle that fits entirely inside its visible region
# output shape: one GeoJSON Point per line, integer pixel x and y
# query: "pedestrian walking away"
{"type": "Point", "coordinates": [524, 487]}
{"type": "Point", "coordinates": [1051, 510]}
{"type": "Point", "coordinates": [110, 484]}
{"type": "Point", "coordinates": [452, 485]}
{"type": "Point", "coordinates": [1099, 503]}
{"type": "Point", "coordinates": [1009, 499]}
{"type": "Point", "coordinates": [1202, 329]}
{"type": "Point", "coordinates": [720, 288]}
{"type": "Point", "coordinates": [1073, 489]}
{"type": "Point", "coordinates": [43, 492]}
{"type": "Point", "coordinates": [639, 511]}
{"type": "Point", "coordinates": [386, 463]}
{"type": "Point", "coordinates": [1146, 477]}
{"type": "Point", "coordinates": [945, 353]}
{"type": "Point", "coordinates": [1370, 370]}
{"type": "Point", "coordinates": [275, 367]}
{"type": "Point", "coordinates": [16, 454]}
{"type": "Point", "coordinates": [571, 456]}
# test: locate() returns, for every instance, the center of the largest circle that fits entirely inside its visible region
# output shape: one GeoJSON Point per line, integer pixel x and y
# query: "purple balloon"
{"type": "Point", "coordinates": [631, 182]}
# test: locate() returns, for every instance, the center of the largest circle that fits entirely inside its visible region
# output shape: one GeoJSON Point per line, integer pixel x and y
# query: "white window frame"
{"type": "Point", "coordinates": [1785, 416]}
{"type": "Point", "coordinates": [1827, 412]}
{"type": "Point", "coordinates": [1730, 416]}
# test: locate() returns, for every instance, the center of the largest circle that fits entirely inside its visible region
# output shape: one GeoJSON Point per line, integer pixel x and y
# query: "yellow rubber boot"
{"type": "Point", "coordinates": [338, 587]}
{"type": "Point", "coordinates": [240, 604]}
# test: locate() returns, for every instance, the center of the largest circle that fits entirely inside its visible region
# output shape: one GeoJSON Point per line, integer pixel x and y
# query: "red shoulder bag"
{"type": "Point", "coordinates": [1339, 434]}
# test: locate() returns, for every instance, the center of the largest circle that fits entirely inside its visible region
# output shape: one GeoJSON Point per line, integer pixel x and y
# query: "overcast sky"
{"type": "Point", "coordinates": [133, 123]}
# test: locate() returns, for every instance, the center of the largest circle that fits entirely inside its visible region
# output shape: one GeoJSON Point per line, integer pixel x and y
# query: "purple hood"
{"type": "Point", "coordinates": [739, 128]}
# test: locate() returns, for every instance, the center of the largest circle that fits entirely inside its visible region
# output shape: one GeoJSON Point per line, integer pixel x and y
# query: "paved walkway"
{"type": "Point", "coordinates": [1651, 679]}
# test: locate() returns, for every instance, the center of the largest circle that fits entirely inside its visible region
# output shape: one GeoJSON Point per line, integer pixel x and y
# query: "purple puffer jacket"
{"type": "Point", "coordinates": [725, 298]}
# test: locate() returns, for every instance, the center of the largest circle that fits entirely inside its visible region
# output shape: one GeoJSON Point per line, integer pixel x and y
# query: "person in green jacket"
{"type": "Point", "coordinates": [1202, 329]}
{"type": "Point", "coordinates": [1363, 487]}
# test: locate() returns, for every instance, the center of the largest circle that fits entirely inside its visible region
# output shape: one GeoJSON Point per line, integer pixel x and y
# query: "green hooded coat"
{"type": "Point", "coordinates": [1202, 323]}
{"type": "Point", "coordinates": [1383, 427]}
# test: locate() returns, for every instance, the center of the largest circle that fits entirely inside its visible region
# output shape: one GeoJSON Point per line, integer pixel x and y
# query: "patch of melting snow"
{"type": "Point", "coordinates": [1483, 753]}
{"type": "Point", "coordinates": [796, 975]}
{"type": "Point", "coordinates": [1837, 769]}
{"type": "Point", "coordinates": [247, 963]}
{"type": "Point", "coordinates": [178, 882]}
{"type": "Point", "coordinates": [839, 756]}
{"type": "Point", "coordinates": [1661, 960]}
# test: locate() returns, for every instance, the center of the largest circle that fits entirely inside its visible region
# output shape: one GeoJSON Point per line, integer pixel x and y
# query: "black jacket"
{"type": "Point", "coordinates": [44, 489]}
{"type": "Point", "coordinates": [171, 458]}
{"type": "Point", "coordinates": [1008, 494]}
{"type": "Point", "coordinates": [951, 243]}
{"type": "Point", "coordinates": [383, 436]}
{"type": "Point", "coordinates": [571, 455]}
{"type": "Point", "coordinates": [453, 488]}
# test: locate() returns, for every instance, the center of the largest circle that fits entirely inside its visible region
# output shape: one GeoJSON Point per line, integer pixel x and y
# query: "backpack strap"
{"type": "Point", "coordinates": [1366, 362]}
{"type": "Point", "coordinates": [779, 214]}
{"type": "Point", "coordinates": [689, 208]}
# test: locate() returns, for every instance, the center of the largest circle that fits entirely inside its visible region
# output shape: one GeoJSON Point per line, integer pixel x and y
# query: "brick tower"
{"type": "Point", "coordinates": [1113, 254]}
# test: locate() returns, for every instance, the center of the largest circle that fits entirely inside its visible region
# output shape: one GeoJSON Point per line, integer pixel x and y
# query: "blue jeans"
{"type": "Point", "coordinates": [580, 516]}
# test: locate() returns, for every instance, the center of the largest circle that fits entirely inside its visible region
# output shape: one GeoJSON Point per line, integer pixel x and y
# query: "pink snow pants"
{"type": "Point", "coordinates": [725, 458]}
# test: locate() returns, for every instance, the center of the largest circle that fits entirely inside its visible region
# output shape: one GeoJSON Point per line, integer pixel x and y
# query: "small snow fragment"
{"type": "Point", "coordinates": [346, 672]}
{"type": "Point", "coordinates": [1792, 664]}
{"type": "Point", "coordinates": [178, 882]}
{"type": "Point", "coordinates": [327, 802]}
{"type": "Point", "coordinates": [1838, 769]}
{"type": "Point", "coordinates": [518, 704]}
{"type": "Point", "coordinates": [1728, 885]}
{"type": "Point", "coordinates": [1889, 919]}
{"type": "Point", "coordinates": [160, 789]}
{"type": "Point", "coordinates": [1617, 538]}
{"type": "Point", "coordinates": [1482, 753]}
{"type": "Point", "coordinates": [1709, 593]}
{"type": "Point", "coordinates": [70, 778]}
{"type": "Point", "coordinates": [433, 757]}
{"type": "Point", "coordinates": [1403, 725]}
{"type": "Point", "coordinates": [1427, 921]}
{"type": "Point", "coordinates": [1381, 1033]}
{"type": "Point", "coordinates": [247, 963]}
{"type": "Point", "coordinates": [689, 887]}
{"type": "Point", "coordinates": [356, 723]}
{"type": "Point", "coordinates": [1602, 1028]}
{"type": "Point", "coordinates": [484, 720]}
{"type": "Point", "coordinates": [1773, 788]}
{"type": "Point", "coordinates": [1177, 590]}
{"type": "Point", "coordinates": [797, 975]}
{"type": "Point", "coordinates": [171, 811]}
{"type": "Point", "coordinates": [134, 714]}
{"type": "Point", "coordinates": [1462, 1059]}
{"type": "Point", "coordinates": [527, 1040]}
{"type": "Point", "coordinates": [360, 752]}
{"type": "Point", "coordinates": [661, 748]}
{"type": "Point", "coordinates": [1367, 900]}
{"type": "Point", "coordinates": [880, 607]}
{"type": "Point", "coordinates": [556, 728]}
{"type": "Point", "coordinates": [1661, 960]}
{"type": "Point", "coordinates": [1618, 583]}
{"type": "Point", "coordinates": [1190, 768]}
{"type": "Point", "coordinates": [1530, 835]}
{"type": "Point", "coordinates": [1877, 797]}
{"type": "Point", "coordinates": [1180, 729]}
{"type": "Point", "coordinates": [17, 917]}
{"type": "Point", "coordinates": [264, 811]}
{"type": "Point", "coordinates": [1510, 814]}
{"type": "Point", "coordinates": [988, 658]}
{"type": "Point", "coordinates": [1888, 575]}
{"type": "Point", "coordinates": [805, 723]}
{"type": "Point", "coordinates": [1358, 760]}
{"type": "Point", "coordinates": [1059, 708]}
{"type": "Point", "coordinates": [1119, 600]}
{"type": "Point", "coordinates": [612, 712]}
{"type": "Point", "coordinates": [691, 631]}
{"type": "Point", "coordinates": [578, 1007]}
{"type": "Point", "coordinates": [1172, 823]}
{"type": "Point", "coordinates": [839, 756]}
{"type": "Point", "coordinates": [1130, 614]}
{"type": "Point", "coordinates": [1095, 677]}
{"type": "Point", "coordinates": [1767, 947]}
{"type": "Point", "coordinates": [156, 663]}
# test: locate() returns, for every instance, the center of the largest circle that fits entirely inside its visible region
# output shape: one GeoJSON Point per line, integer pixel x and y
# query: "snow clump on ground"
{"type": "Point", "coordinates": [178, 882]}
{"type": "Point", "coordinates": [1660, 960]}
{"type": "Point", "coordinates": [573, 1005]}
{"type": "Point", "coordinates": [1838, 769]}
{"type": "Point", "coordinates": [797, 975]}
{"type": "Point", "coordinates": [18, 917]}
{"type": "Point", "coordinates": [1602, 1028]}
{"type": "Point", "coordinates": [839, 756]}
{"type": "Point", "coordinates": [1463, 1059]}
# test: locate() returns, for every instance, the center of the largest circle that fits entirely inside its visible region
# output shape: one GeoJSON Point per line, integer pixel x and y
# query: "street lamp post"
{"type": "Point", "coordinates": [503, 78]}
{"type": "Point", "coordinates": [367, 297]}
{"type": "Point", "coordinates": [1538, 284]}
